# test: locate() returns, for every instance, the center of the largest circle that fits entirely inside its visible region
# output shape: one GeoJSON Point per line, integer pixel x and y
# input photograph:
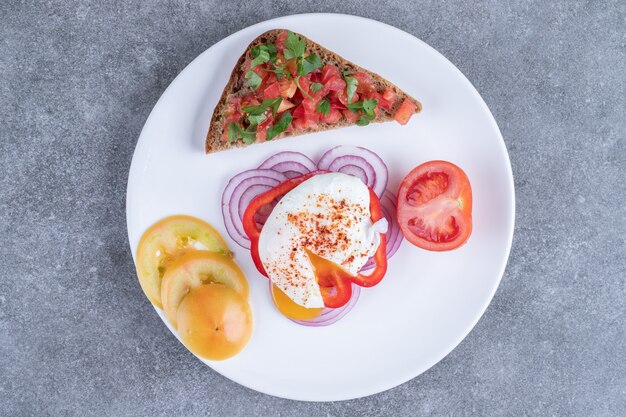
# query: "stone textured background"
{"type": "Point", "coordinates": [80, 78]}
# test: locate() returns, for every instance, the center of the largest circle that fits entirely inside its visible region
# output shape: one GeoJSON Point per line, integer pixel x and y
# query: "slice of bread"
{"type": "Point", "coordinates": [236, 86]}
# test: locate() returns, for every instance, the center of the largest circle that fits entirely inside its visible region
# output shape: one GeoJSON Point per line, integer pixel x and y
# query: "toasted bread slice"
{"type": "Point", "coordinates": [236, 86]}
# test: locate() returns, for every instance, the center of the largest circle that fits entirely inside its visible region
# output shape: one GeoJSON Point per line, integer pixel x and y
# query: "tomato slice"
{"type": "Point", "coordinates": [165, 241]}
{"type": "Point", "coordinates": [435, 206]}
{"type": "Point", "coordinates": [194, 269]}
{"type": "Point", "coordinates": [214, 321]}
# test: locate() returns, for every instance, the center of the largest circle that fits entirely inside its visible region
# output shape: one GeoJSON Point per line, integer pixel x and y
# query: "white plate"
{"type": "Point", "coordinates": [428, 302]}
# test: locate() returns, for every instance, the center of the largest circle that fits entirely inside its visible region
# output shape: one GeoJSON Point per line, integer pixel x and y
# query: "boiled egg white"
{"type": "Point", "coordinates": [328, 215]}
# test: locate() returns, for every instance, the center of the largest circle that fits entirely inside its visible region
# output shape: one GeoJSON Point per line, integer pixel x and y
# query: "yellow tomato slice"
{"type": "Point", "coordinates": [194, 269]}
{"type": "Point", "coordinates": [166, 240]}
{"type": "Point", "coordinates": [290, 308]}
{"type": "Point", "coordinates": [214, 321]}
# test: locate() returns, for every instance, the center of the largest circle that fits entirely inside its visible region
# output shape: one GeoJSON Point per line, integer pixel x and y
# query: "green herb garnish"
{"type": "Point", "coordinates": [294, 46]}
{"type": "Point", "coordinates": [279, 127]}
{"type": "Point", "coordinates": [365, 119]}
{"type": "Point", "coordinates": [256, 119]}
{"type": "Point", "coordinates": [367, 106]}
{"type": "Point", "coordinates": [271, 48]}
{"type": "Point", "coordinates": [297, 79]}
{"type": "Point", "coordinates": [309, 64]}
{"type": "Point", "coordinates": [351, 84]}
{"type": "Point", "coordinates": [253, 78]}
{"type": "Point", "coordinates": [261, 55]}
{"type": "Point", "coordinates": [280, 72]}
{"type": "Point", "coordinates": [235, 131]}
{"type": "Point", "coordinates": [323, 107]}
{"type": "Point", "coordinates": [272, 103]}
{"type": "Point", "coordinates": [315, 87]}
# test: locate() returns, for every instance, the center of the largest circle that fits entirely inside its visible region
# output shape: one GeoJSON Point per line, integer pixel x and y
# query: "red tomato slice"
{"type": "Point", "coordinates": [435, 206]}
{"type": "Point", "coordinates": [405, 111]}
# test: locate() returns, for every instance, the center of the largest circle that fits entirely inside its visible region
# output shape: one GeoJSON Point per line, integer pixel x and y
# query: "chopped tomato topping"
{"type": "Point", "coordinates": [284, 105]}
{"type": "Point", "coordinates": [389, 95]}
{"type": "Point", "coordinates": [405, 111]}
{"type": "Point", "coordinates": [271, 91]}
{"type": "Point", "coordinates": [365, 85]}
{"type": "Point", "coordinates": [332, 117]}
{"type": "Point", "coordinates": [287, 87]}
{"type": "Point", "coordinates": [335, 84]}
{"type": "Point", "coordinates": [301, 93]}
{"type": "Point", "coordinates": [342, 96]}
{"type": "Point", "coordinates": [261, 132]}
{"type": "Point", "coordinates": [351, 117]}
{"type": "Point", "coordinates": [280, 40]}
{"type": "Point", "coordinates": [329, 71]}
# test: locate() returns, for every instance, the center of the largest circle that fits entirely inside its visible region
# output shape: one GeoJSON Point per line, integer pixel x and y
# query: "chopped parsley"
{"type": "Point", "coordinates": [235, 131]}
{"type": "Point", "coordinates": [279, 127]}
{"type": "Point", "coordinates": [315, 87]}
{"type": "Point", "coordinates": [253, 78]}
{"type": "Point", "coordinates": [323, 107]}
{"type": "Point", "coordinates": [272, 103]}
{"type": "Point", "coordinates": [351, 84]}
{"type": "Point", "coordinates": [367, 106]}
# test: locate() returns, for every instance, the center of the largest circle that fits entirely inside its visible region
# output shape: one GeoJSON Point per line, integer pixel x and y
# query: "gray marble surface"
{"type": "Point", "coordinates": [78, 82]}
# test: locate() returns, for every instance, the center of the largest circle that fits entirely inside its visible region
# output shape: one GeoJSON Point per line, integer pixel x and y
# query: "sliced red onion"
{"type": "Point", "coordinates": [370, 162]}
{"type": "Point", "coordinates": [344, 163]}
{"type": "Point", "coordinates": [355, 171]}
{"type": "Point", "coordinates": [249, 195]}
{"type": "Point", "coordinates": [333, 315]}
{"type": "Point", "coordinates": [264, 212]}
{"type": "Point", "coordinates": [233, 198]}
{"type": "Point", "coordinates": [292, 164]}
{"type": "Point", "coordinates": [394, 236]}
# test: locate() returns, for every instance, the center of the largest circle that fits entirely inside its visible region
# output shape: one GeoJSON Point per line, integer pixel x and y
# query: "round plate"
{"type": "Point", "coordinates": [428, 302]}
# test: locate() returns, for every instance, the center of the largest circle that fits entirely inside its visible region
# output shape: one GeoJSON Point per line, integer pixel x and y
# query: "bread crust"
{"type": "Point", "coordinates": [236, 85]}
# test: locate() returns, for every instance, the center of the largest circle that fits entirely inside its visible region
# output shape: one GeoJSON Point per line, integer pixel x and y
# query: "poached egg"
{"type": "Point", "coordinates": [327, 215]}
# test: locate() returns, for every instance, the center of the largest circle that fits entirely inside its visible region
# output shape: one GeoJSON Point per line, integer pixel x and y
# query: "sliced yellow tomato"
{"type": "Point", "coordinates": [214, 321]}
{"type": "Point", "coordinates": [290, 308]}
{"type": "Point", "coordinates": [196, 268]}
{"type": "Point", "coordinates": [165, 241]}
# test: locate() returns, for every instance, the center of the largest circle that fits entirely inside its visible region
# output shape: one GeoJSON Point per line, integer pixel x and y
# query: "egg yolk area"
{"type": "Point", "coordinates": [328, 276]}
{"type": "Point", "coordinates": [290, 308]}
